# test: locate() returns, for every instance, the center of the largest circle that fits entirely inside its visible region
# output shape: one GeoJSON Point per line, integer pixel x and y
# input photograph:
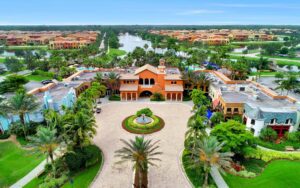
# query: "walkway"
{"type": "Point", "coordinates": [220, 182]}
{"type": "Point", "coordinates": [34, 173]}
{"type": "Point", "coordinates": [168, 173]}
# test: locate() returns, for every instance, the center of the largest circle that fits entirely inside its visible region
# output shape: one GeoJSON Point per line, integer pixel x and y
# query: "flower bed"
{"type": "Point", "coordinates": [132, 126]}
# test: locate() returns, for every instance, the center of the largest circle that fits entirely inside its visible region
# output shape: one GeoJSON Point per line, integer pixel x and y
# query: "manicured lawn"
{"type": "Point", "coordinates": [263, 74]}
{"type": "Point", "coordinates": [45, 47]}
{"type": "Point", "coordinates": [283, 58]}
{"type": "Point", "coordinates": [81, 179]}
{"type": "Point", "coordinates": [15, 163]}
{"type": "Point", "coordinates": [282, 63]}
{"type": "Point", "coordinates": [280, 146]}
{"type": "Point", "coordinates": [84, 178]}
{"type": "Point", "coordinates": [116, 52]}
{"type": "Point", "coordinates": [129, 125]}
{"type": "Point", "coordinates": [277, 174]}
{"type": "Point", "coordinates": [255, 42]}
{"type": "Point", "coordinates": [37, 78]}
{"type": "Point", "coordinates": [2, 59]}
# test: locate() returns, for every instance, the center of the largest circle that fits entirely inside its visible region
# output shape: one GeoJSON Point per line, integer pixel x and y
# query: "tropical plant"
{"type": "Point", "coordinates": [45, 141]}
{"type": "Point", "coordinates": [145, 111]}
{"type": "Point", "coordinates": [142, 153]}
{"type": "Point", "coordinates": [208, 154]}
{"type": "Point", "coordinates": [199, 99]}
{"type": "Point", "coordinates": [236, 136]}
{"type": "Point", "coordinates": [157, 97]}
{"type": "Point", "coordinates": [268, 134]}
{"type": "Point", "coordinates": [81, 129]}
{"type": "Point", "coordinates": [216, 118]}
{"type": "Point", "coordinates": [21, 104]}
{"type": "Point", "coordinates": [113, 81]}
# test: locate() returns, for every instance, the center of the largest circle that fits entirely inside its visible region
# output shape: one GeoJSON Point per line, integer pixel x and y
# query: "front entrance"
{"type": "Point", "coordinates": [280, 129]}
{"type": "Point", "coordinates": [146, 94]}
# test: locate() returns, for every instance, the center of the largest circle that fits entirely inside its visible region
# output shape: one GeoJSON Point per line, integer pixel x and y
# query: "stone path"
{"type": "Point", "coordinates": [168, 173]}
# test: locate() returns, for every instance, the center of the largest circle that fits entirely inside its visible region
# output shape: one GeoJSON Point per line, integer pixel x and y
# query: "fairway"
{"type": "Point", "coordinates": [277, 174]}
{"type": "Point", "coordinates": [15, 163]}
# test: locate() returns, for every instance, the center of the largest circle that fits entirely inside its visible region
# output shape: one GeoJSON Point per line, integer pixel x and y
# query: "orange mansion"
{"type": "Point", "coordinates": [148, 79]}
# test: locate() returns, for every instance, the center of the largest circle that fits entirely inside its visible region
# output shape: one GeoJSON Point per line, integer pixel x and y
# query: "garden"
{"type": "Point", "coordinates": [143, 122]}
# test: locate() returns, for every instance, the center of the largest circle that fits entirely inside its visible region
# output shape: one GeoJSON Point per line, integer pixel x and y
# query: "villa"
{"type": "Point", "coordinates": [147, 80]}
{"type": "Point", "coordinates": [257, 105]}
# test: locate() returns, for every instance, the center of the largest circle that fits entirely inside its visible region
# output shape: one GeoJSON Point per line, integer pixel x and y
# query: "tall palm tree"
{"type": "Point", "coordinates": [196, 129]}
{"type": "Point", "coordinates": [201, 80]}
{"type": "Point", "coordinates": [189, 78]}
{"type": "Point", "coordinates": [45, 141]}
{"type": "Point", "coordinates": [113, 81]}
{"type": "Point", "coordinates": [20, 104]}
{"type": "Point", "coordinates": [81, 128]}
{"type": "Point", "coordinates": [99, 77]}
{"type": "Point", "coordinates": [207, 155]}
{"type": "Point", "coordinates": [142, 153]}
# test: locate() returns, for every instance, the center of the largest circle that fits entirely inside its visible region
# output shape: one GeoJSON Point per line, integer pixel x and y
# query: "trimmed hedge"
{"type": "Point", "coordinates": [114, 98]}
{"type": "Point", "coordinates": [267, 155]}
{"type": "Point", "coordinates": [133, 127]}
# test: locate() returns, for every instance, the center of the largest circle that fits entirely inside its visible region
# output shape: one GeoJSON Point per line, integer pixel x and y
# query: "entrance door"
{"type": "Point", "coordinates": [280, 129]}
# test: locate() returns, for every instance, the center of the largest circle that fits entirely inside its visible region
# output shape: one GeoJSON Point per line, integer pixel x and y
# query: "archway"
{"type": "Point", "coordinates": [146, 94]}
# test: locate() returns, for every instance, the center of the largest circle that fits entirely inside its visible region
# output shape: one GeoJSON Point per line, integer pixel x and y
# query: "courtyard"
{"type": "Point", "coordinates": [168, 172]}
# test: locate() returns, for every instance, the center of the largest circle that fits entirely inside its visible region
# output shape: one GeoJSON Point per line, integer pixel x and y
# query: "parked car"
{"type": "Point", "coordinates": [46, 82]}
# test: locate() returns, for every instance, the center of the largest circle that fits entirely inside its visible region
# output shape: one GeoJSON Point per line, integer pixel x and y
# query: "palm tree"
{"type": "Point", "coordinates": [201, 80]}
{"type": "Point", "coordinates": [45, 141]}
{"type": "Point", "coordinates": [207, 155]}
{"type": "Point", "coordinates": [142, 153]}
{"type": "Point", "coordinates": [189, 78]}
{"type": "Point", "coordinates": [113, 81]}
{"type": "Point", "coordinates": [196, 129]}
{"type": "Point", "coordinates": [81, 129]}
{"type": "Point", "coordinates": [98, 77]}
{"type": "Point", "coordinates": [20, 104]}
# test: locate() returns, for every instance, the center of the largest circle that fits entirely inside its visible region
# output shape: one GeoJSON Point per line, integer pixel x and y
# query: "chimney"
{"type": "Point", "coordinates": [162, 66]}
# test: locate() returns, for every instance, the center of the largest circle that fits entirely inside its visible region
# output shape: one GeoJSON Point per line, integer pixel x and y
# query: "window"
{"type": "Point", "coordinates": [173, 82]}
{"type": "Point", "coordinates": [252, 122]}
{"type": "Point", "coordinates": [288, 121]}
{"type": "Point", "coordinates": [146, 81]}
{"type": "Point", "coordinates": [242, 88]}
{"type": "Point", "coordinates": [228, 110]}
{"type": "Point", "coordinates": [273, 121]}
{"type": "Point", "coordinates": [152, 82]}
{"type": "Point", "coordinates": [141, 81]}
{"type": "Point", "coordinates": [236, 110]}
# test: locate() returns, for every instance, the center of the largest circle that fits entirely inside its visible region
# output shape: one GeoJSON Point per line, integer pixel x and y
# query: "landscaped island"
{"type": "Point", "coordinates": [143, 122]}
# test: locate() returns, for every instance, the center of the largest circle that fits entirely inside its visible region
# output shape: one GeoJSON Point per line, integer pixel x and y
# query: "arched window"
{"type": "Point", "coordinates": [146, 81]}
{"type": "Point", "coordinates": [141, 81]}
{"type": "Point", "coordinates": [152, 82]}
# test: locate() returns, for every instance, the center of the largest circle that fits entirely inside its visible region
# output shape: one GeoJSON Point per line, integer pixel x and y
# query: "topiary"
{"type": "Point", "coordinates": [268, 134]}
{"type": "Point", "coordinates": [145, 111]}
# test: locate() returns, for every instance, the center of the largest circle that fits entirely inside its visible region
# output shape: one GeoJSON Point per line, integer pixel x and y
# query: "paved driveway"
{"type": "Point", "coordinates": [168, 174]}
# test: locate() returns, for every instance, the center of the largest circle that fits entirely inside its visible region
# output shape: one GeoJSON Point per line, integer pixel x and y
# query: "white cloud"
{"type": "Point", "coordinates": [271, 5]}
{"type": "Point", "coordinates": [200, 11]}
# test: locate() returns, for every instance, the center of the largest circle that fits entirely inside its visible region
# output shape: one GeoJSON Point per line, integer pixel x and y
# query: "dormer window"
{"type": "Point", "coordinates": [273, 121]}
{"type": "Point", "coordinates": [288, 121]}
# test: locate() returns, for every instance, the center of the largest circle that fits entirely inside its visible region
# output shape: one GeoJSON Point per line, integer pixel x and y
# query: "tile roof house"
{"type": "Point", "coordinates": [148, 79]}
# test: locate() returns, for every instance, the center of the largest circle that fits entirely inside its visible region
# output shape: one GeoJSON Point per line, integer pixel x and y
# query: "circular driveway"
{"type": "Point", "coordinates": [168, 173]}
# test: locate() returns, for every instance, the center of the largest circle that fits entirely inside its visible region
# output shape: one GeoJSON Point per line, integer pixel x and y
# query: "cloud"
{"type": "Point", "coordinates": [200, 11]}
{"type": "Point", "coordinates": [242, 5]}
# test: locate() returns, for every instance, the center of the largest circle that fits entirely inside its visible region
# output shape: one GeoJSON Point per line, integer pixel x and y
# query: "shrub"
{"type": "Point", "coordinates": [268, 155]}
{"type": "Point", "coordinates": [5, 135]}
{"type": "Point", "coordinates": [114, 98]}
{"type": "Point", "coordinates": [74, 161]}
{"type": "Point", "coordinates": [268, 134]}
{"type": "Point", "coordinates": [92, 155]}
{"type": "Point", "coordinates": [43, 73]}
{"type": "Point", "coordinates": [145, 111]}
{"type": "Point", "coordinates": [157, 97]}
{"type": "Point", "coordinates": [294, 136]}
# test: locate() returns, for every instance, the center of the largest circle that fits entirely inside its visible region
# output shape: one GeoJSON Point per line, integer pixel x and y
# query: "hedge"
{"type": "Point", "coordinates": [268, 155]}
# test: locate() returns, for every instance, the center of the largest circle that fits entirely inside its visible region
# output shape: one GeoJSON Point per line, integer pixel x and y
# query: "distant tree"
{"type": "Point", "coordinates": [13, 64]}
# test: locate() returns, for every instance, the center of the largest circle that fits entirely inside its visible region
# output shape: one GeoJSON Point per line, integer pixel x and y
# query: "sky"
{"type": "Point", "coordinates": [150, 12]}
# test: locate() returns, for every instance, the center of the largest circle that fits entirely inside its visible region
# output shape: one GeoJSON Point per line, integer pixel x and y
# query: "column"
{"type": "Point", "coordinates": [181, 96]}
{"type": "Point", "coordinates": [131, 97]}
{"type": "Point", "coordinates": [126, 96]}
{"type": "Point", "coordinates": [176, 96]}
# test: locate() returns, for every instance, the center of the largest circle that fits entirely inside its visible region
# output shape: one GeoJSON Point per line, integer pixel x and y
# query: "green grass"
{"type": "Point", "coordinates": [84, 178]}
{"type": "Point", "coordinates": [283, 58]}
{"type": "Point", "coordinates": [2, 59]}
{"type": "Point", "coordinates": [254, 165]}
{"type": "Point", "coordinates": [255, 42]}
{"type": "Point", "coordinates": [277, 174]}
{"type": "Point", "coordinates": [45, 47]}
{"type": "Point", "coordinates": [195, 175]}
{"type": "Point", "coordinates": [81, 179]}
{"type": "Point", "coordinates": [133, 127]}
{"type": "Point", "coordinates": [15, 163]}
{"type": "Point", "coordinates": [280, 147]}
{"type": "Point", "coordinates": [116, 52]}
{"type": "Point", "coordinates": [37, 78]}
{"type": "Point", "coordinates": [283, 63]}
{"type": "Point", "coordinates": [263, 74]}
